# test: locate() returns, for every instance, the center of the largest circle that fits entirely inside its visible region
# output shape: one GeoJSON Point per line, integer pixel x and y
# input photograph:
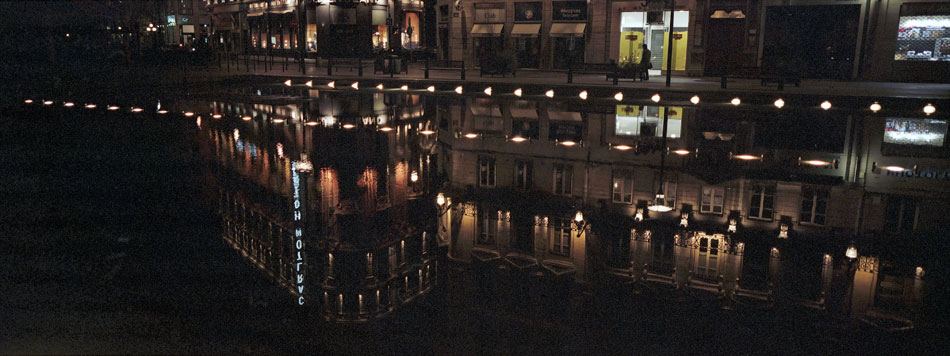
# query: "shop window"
{"type": "Point", "coordinates": [563, 179]}
{"type": "Point", "coordinates": [711, 201]}
{"type": "Point", "coordinates": [900, 215]}
{"type": "Point", "coordinates": [487, 227]}
{"type": "Point", "coordinates": [814, 205]}
{"type": "Point", "coordinates": [381, 37]}
{"type": "Point", "coordinates": [923, 32]}
{"type": "Point", "coordinates": [523, 175]}
{"type": "Point", "coordinates": [411, 30]}
{"type": "Point", "coordinates": [762, 203]}
{"type": "Point", "coordinates": [653, 29]}
{"type": "Point", "coordinates": [311, 38]}
{"type": "Point", "coordinates": [622, 187]}
{"type": "Point", "coordinates": [561, 237]}
{"type": "Point", "coordinates": [486, 172]}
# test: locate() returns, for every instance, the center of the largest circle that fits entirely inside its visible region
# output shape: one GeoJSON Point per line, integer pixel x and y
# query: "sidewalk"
{"type": "Point", "coordinates": [559, 78]}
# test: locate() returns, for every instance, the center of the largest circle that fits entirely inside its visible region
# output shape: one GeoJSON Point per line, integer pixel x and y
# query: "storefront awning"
{"type": "Point", "coordinates": [255, 13]}
{"type": "Point", "coordinates": [567, 29]}
{"type": "Point", "coordinates": [526, 29]}
{"type": "Point", "coordinates": [487, 29]}
{"type": "Point", "coordinates": [281, 11]}
{"type": "Point", "coordinates": [554, 115]}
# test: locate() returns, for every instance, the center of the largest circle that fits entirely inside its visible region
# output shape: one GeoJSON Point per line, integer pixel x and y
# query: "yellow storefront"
{"type": "Point", "coordinates": [639, 27]}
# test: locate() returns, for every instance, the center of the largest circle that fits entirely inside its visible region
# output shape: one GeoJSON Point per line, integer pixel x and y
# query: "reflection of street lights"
{"type": "Point", "coordinates": [852, 254]}
{"type": "Point", "coordinates": [579, 224]}
{"type": "Point", "coordinates": [444, 205]}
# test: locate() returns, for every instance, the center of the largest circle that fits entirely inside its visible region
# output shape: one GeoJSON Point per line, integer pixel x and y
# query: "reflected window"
{"type": "Point", "coordinates": [563, 179]}
{"type": "Point", "coordinates": [814, 204]}
{"type": "Point", "coordinates": [487, 227]}
{"type": "Point", "coordinates": [633, 120]}
{"type": "Point", "coordinates": [707, 265]}
{"type": "Point", "coordinates": [669, 191]}
{"type": "Point", "coordinates": [762, 203]}
{"type": "Point", "coordinates": [486, 172]}
{"type": "Point", "coordinates": [622, 187]}
{"type": "Point", "coordinates": [711, 200]}
{"type": "Point", "coordinates": [523, 175]}
{"type": "Point", "coordinates": [561, 238]}
{"type": "Point", "coordinates": [900, 215]}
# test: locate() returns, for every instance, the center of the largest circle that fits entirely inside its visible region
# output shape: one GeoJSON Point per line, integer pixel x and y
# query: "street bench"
{"type": "Point", "coordinates": [385, 65]}
{"type": "Point", "coordinates": [495, 66]}
{"type": "Point", "coordinates": [351, 63]}
{"type": "Point", "coordinates": [445, 65]}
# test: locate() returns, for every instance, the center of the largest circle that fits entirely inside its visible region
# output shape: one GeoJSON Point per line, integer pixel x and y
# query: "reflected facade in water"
{"type": "Point", "coordinates": [753, 206]}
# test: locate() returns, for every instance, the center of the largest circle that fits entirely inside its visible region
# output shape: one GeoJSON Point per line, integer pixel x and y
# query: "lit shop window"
{"type": "Point", "coordinates": [311, 38]}
{"type": "Point", "coordinates": [410, 33]}
{"type": "Point", "coordinates": [634, 120]}
{"type": "Point", "coordinates": [923, 33]}
{"type": "Point", "coordinates": [921, 132]}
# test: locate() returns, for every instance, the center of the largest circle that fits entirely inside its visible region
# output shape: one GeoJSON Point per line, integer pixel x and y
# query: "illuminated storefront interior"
{"type": "Point", "coordinates": [637, 28]}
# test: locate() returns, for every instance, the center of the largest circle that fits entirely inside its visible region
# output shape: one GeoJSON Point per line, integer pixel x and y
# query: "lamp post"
{"type": "Point", "coordinates": [659, 202]}
{"type": "Point", "coordinates": [669, 57]}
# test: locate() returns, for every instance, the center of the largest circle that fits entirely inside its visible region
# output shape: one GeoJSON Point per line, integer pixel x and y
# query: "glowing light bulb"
{"type": "Point", "coordinates": [746, 157]}
{"type": "Point", "coordinates": [779, 103]}
{"type": "Point", "coordinates": [623, 147]}
{"type": "Point", "coordinates": [246, 118]}
{"type": "Point", "coordinates": [187, 113]}
{"type": "Point", "coordinates": [471, 135]}
{"type": "Point", "coordinates": [735, 101]}
{"type": "Point", "coordinates": [655, 98]}
{"type": "Point", "coordinates": [309, 123]}
{"type": "Point", "coordinates": [162, 112]}
{"type": "Point", "coordinates": [136, 110]}
{"type": "Point", "coordinates": [280, 121]}
{"type": "Point", "coordinates": [385, 129]}
{"type": "Point", "coordinates": [113, 108]}
{"type": "Point", "coordinates": [694, 99]}
{"type": "Point", "coordinates": [518, 139]}
{"type": "Point", "coordinates": [348, 126]}
{"type": "Point", "coordinates": [618, 97]}
{"type": "Point", "coordinates": [549, 93]}
{"type": "Point", "coordinates": [90, 106]}
{"type": "Point", "coordinates": [404, 87]}
{"type": "Point", "coordinates": [309, 84]}
{"type": "Point", "coordinates": [875, 107]}
{"type": "Point", "coordinates": [929, 109]}
{"type": "Point", "coordinates": [287, 82]}
{"type": "Point", "coordinates": [488, 91]}
{"type": "Point", "coordinates": [825, 105]}
{"type": "Point", "coordinates": [69, 104]}
{"type": "Point", "coordinates": [379, 86]}
{"type": "Point", "coordinates": [431, 89]}
{"type": "Point", "coordinates": [216, 116]}
{"type": "Point", "coordinates": [332, 84]}
{"type": "Point", "coordinates": [28, 101]}
{"type": "Point", "coordinates": [681, 152]}
{"type": "Point", "coordinates": [518, 92]}
{"type": "Point", "coordinates": [355, 85]}
{"type": "Point", "coordinates": [427, 132]}
{"type": "Point", "coordinates": [458, 89]}
{"type": "Point", "coordinates": [568, 143]}
{"type": "Point", "coordinates": [47, 102]}
{"type": "Point", "coordinates": [583, 95]}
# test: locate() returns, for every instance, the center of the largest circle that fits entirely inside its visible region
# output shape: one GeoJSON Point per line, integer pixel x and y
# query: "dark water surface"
{"type": "Point", "coordinates": [130, 232]}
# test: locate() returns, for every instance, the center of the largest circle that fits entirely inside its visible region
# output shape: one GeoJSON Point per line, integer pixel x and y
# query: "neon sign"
{"type": "Point", "coordinates": [298, 236]}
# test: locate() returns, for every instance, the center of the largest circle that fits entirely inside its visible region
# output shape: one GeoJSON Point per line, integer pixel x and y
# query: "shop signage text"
{"type": "Point", "coordinates": [569, 11]}
{"type": "Point", "coordinates": [489, 12]}
{"type": "Point", "coordinates": [298, 236]}
{"type": "Point", "coordinates": [926, 174]}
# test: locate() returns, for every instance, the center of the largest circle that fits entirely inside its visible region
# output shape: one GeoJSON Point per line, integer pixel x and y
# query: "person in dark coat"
{"type": "Point", "coordinates": [645, 63]}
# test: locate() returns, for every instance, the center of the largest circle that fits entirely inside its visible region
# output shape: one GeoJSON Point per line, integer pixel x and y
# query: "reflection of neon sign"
{"type": "Point", "coordinates": [298, 235]}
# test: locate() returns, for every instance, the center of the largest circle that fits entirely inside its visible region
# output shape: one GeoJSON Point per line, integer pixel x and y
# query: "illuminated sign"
{"type": "Point", "coordinates": [919, 132]}
{"type": "Point", "coordinates": [299, 264]}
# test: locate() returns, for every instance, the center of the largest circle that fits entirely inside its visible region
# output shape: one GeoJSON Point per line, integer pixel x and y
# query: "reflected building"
{"type": "Point", "coordinates": [750, 205]}
{"type": "Point", "coordinates": [338, 235]}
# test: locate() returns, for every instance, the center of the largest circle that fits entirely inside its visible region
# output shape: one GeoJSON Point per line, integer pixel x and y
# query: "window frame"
{"type": "Point", "coordinates": [523, 179]}
{"type": "Point", "coordinates": [625, 178]}
{"type": "Point", "coordinates": [487, 228]}
{"type": "Point", "coordinates": [817, 194]}
{"type": "Point", "coordinates": [567, 179]}
{"type": "Point", "coordinates": [764, 191]}
{"type": "Point", "coordinates": [712, 196]}
{"type": "Point", "coordinates": [486, 165]}
{"type": "Point", "coordinates": [561, 237]}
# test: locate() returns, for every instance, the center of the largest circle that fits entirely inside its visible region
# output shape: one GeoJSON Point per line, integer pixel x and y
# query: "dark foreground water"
{"type": "Point", "coordinates": [145, 233]}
